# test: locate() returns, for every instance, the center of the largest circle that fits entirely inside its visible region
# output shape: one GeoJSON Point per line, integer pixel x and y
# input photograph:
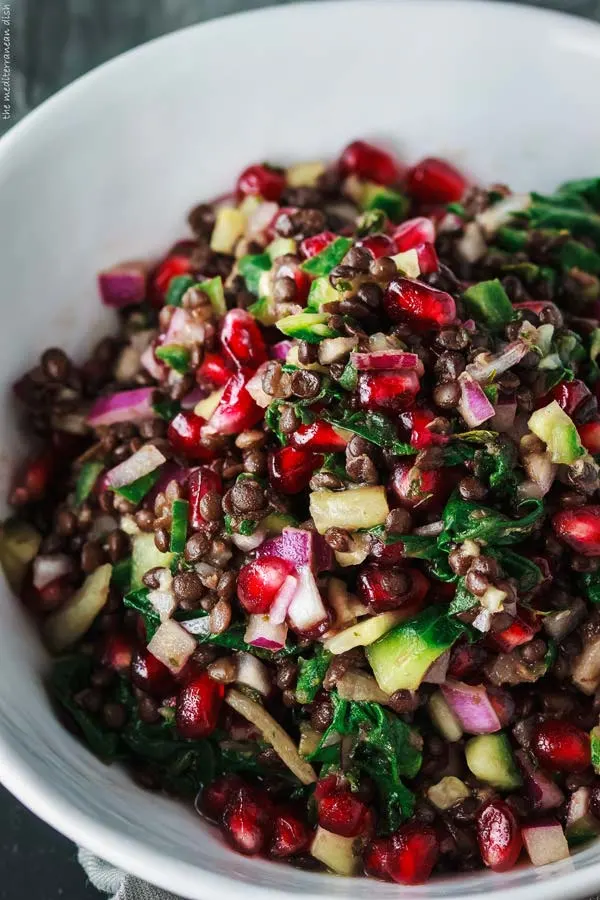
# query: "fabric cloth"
{"type": "Point", "coordinates": [118, 884]}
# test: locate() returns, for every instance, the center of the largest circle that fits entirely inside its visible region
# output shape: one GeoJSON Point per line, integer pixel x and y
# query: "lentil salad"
{"type": "Point", "coordinates": [314, 537]}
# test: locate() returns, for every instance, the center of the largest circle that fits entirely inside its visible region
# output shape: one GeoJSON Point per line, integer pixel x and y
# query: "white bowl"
{"type": "Point", "coordinates": [107, 169]}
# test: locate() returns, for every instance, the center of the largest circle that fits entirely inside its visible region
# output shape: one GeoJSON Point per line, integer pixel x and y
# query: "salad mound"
{"type": "Point", "coordinates": [314, 537]}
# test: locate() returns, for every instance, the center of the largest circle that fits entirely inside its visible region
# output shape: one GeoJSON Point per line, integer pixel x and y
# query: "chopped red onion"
{"type": "Point", "coordinates": [247, 542]}
{"type": "Point", "coordinates": [260, 632]}
{"type": "Point", "coordinates": [281, 604]}
{"type": "Point", "coordinates": [300, 547]}
{"type": "Point", "coordinates": [306, 610]}
{"type": "Point", "coordinates": [260, 219]}
{"type": "Point", "coordinates": [543, 792]}
{"type": "Point", "coordinates": [280, 350]}
{"type": "Point", "coordinates": [494, 217]}
{"type": "Point", "coordinates": [488, 365]}
{"type": "Point", "coordinates": [184, 329]}
{"type": "Point", "coordinates": [541, 470]}
{"type": "Point", "coordinates": [151, 364]}
{"type": "Point", "coordinates": [545, 842]}
{"type": "Point", "coordinates": [387, 359]}
{"type": "Point", "coordinates": [123, 285]}
{"type": "Point", "coordinates": [195, 396]}
{"type": "Point", "coordinates": [146, 460]}
{"type": "Point", "coordinates": [474, 406]}
{"type": "Point", "coordinates": [48, 567]}
{"type": "Point", "coordinates": [471, 706]}
{"type": "Point", "coordinates": [124, 406]}
{"type": "Point", "coordinates": [433, 529]}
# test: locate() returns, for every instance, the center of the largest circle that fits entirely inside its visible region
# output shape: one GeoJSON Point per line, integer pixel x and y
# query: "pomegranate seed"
{"type": "Point", "coordinates": [370, 163]}
{"type": "Point", "coordinates": [413, 233]}
{"type": "Point", "coordinates": [48, 598]}
{"type": "Point", "coordinates": [377, 859]}
{"type": "Point", "coordinates": [201, 481]}
{"type": "Point", "coordinates": [198, 707]}
{"type": "Point", "coordinates": [236, 411]}
{"type": "Point", "coordinates": [503, 704]}
{"type": "Point", "coordinates": [168, 268]}
{"type": "Point", "coordinates": [590, 436]}
{"type": "Point", "coordinates": [214, 368]}
{"type": "Point", "coordinates": [498, 836]}
{"type": "Point", "coordinates": [320, 437]}
{"type": "Point", "coordinates": [383, 588]}
{"type": "Point", "coordinates": [150, 675]}
{"type": "Point", "coordinates": [414, 853]}
{"type": "Point", "coordinates": [378, 245]}
{"type": "Point", "coordinates": [521, 630]}
{"type": "Point", "coordinates": [261, 180]}
{"type": "Point", "coordinates": [242, 340]}
{"type": "Point", "coordinates": [259, 582]}
{"type": "Point", "coordinates": [466, 660]}
{"type": "Point", "coordinates": [290, 470]}
{"type": "Point", "coordinates": [435, 181]}
{"type": "Point", "coordinates": [428, 259]}
{"type": "Point", "coordinates": [342, 813]}
{"type": "Point", "coordinates": [569, 395]}
{"type": "Point", "coordinates": [412, 301]}
{"type": "Point", "coordinates": [32, 479]}
{"type": "Point", "coordinates": [310, 246]}
{"type": "Point", "coordinates": [117, 652]}
{"type": "Point", "coordinates": [579, 528]}
{"type": "Point", "coordinates": [290, 835]}
{"type": "Point", "coordinates": [301, 279]}
{"type": "Point", "coordinates": [561, 746]}
{"type": "Point", "coordinates": [246, 821]}
{"type": "Point", "coordinates": [329, 785]}
{"type": "Point", "coordinates": [217, 794]}
{"type": "Point", "coordinates": [388, 390]}
{"type": "Point", "coordinates": [423, 489]}
{"type": "Point", "coordinates": [185, 433]}
{"type": "Point", "coordinates": [421, 435]}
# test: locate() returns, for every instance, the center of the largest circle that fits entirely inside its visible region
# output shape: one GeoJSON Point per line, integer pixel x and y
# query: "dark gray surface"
{"type": "Point", "coordinates": [52, 42]}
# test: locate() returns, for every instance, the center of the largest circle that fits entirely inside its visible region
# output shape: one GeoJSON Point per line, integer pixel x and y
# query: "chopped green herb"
{"type": "Point", "coordinates": [137, 490]}
{"type": "Point", "coordinates": [166, 408]}
{"type": "Point", "coordinates": [86, 480]}
{"type": "Point", "coordinates": [178, 285]}
{"type": "Point", "coordinates": [471, 521]}
{"type": "Point", "coordinates": [374, 221]}
{"type": "Point", "coordinates": [179, 523]}
{"type": "Point", "coordinates": [311, 674]}
{"type": "Point", "coordinates": [251, 268]}
{"type": "Point", "coordinates": [512, 239]}
{"type": "Point", "coordinates": [322, 263]}
{"type": "Point", "coordinates": [309, 327]}
{"type": "Point", "coordinates": [213, 288]}
{"type": "Point", "coordinates": [488, 302]}
{"type": "Point", "coordinates": [590, 584]}
{"type": "Point", "coordinates": [121, 574]}
{"type": "Point", "coordinates": [349, 377]}
{"type": "Point", "coordinates": [138, 600]}
{"type": "Point", "coordinates": [392, 203]}
{"type": "Point", "coordinates": [176, 356]}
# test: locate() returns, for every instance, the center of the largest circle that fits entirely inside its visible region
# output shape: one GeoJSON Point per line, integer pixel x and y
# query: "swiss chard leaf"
{"type": "Point", "coordinates": [463, 599]}
{"type": "Point", "coordinates": [311, 674]}
{"type": "Point", "coordinates": [590, 584]}
{"type": "Point", "coordinates": [138, 600]}
{"type": "Point", "coordinates": [519, 567]}
{"type": "Point", "coordinates": [470, 521]}
{"type": "Point", "coordinates": [373, 427]}
{"type": "Point", "coordinates": [497, 463]}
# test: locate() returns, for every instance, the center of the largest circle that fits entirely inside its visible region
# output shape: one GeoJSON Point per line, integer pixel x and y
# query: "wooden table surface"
{"type": "Point", "coordinates": [52, 42]}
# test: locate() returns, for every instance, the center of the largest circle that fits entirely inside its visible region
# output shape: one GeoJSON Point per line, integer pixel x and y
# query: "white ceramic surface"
{"type": "Point", "coordinates": [106, 171]}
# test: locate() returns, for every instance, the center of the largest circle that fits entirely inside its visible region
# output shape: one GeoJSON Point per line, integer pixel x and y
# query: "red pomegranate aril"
{"type": "Point", "coordinates": [150, 675]}
{"type": "Point", "coordinates": [310, 246]}
{"type": "Point", "coordinates": [320, 437]}
{"type": "Point", "coordinates": [498, 836]}
{"type": "Point", "coordinates": [217, 794]}
{"type": "Point", "coordinates": [423, 489]}
{"type": "Point", "coordinates": [117, 652]}
{"type": "Point", "coordinates": [388, 390]}
{"type": "Point", "coordinates": [242, 339]}
{"type": "Point", "coordinates": [466, 660]}
{"type": "Point", "coordinates": [246, 822]}
{"type": "Point", "coordinates": [427, 258]}
{"type": "Point", "coordinates": [377, 859]}
{"type": "Point", "coordinates": [414, 852]}
{"type": "Point", "coordinates": [522, 629]}
{"type": "Point", "coordinates": [331, 784]}
{"type": "Point", "coordinates": [198, 707]}
{"type": "Point", "coordinates": [168, 268]}
{"type": "Point", "coordinates": [421, 435]}
{"type": "Point", "coordinates": [413, 233]}
{"type": "Point", "coordinates": [378, 245]}
{"type": "Point", "coordinates": [214, 368]}
{"type": "Point", "coordinates": [343, 814]}
{"type": "Point", "coordinates": [48, 598]}
{"type": "Point", "coordinates": [290, 470]}
{"type": "Point", "coordinates": [579, 528]}
{"type": "Point", "coordinates": [32, 479]}
{"type": "Point", "coordinates": [383, 588]}
{"type": "Point", "coordinates": [185, 433]}
{"type": "Point", "coordinates": [236, 410]}
{"type": "Point", "coordinates": [589, 435]}
{"type": "Point", "coordinates": [262, 181]}
{"type": "Point", "coordinates": [201, 481]}
{"type": "Point", "coordinates": [569, 395]}
{"type": "Point", "coordinates": [561, 746]}
{"type": "Point", "coordinates": [290, 835]}
{"type": "Point", "coordinates": [406, 300]}
{"type": "Point", "coordinates": [369, 162]}
{"type": "Point", "coordinates": [435, 181]}
{"type": "Point", "coordinates": [503, 704]}
{"type": "Point", "coordinates": [259, 582]}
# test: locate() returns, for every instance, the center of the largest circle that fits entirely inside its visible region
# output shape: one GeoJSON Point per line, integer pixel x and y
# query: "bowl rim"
{"type": "Point", "coordinates": [130, 854]}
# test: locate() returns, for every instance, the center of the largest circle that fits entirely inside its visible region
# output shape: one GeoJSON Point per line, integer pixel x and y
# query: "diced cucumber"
{"type": "Point", "coordinates": [447, 792]}
{"type": "Point", "coordinates": [363, 633]}
{"type": "Point", "coordinates": [19, 544]}
{"type": "Point", "coordinates": [408, 263]}
{"type": "Point", "coordinates": [305, 174]}
{"type": "Point", "coordinates": [392, 203]}
{"type": "Point", "coordinates": [581, 825]}
{"type": "Point", "coordinates": [401, 658]}
{"type": "Point", "coordinates": [322, 263]}
{"type": "Point", "coordinates": [336, 852]}
{"type": "Point", "coordinates": [178, 285]}
{"type": "Point", "coordinates": [595, 748]}
{"type": "Point", "coordinates": [68, 624]}
{"type": "Point", "coordinates": [281, 247]}
{"type": "Point", "coordinates": [251, 267]}
{"type": "Point", "coordinates": [206, 407]}
{"type": "Point", "coordinates": [490, 758]}
{"type": "Point", "coordinates": [488, 302]}
{"type": "Point", "coordinates": [264, 310]}
{"type": "Point", "coordinates": [175, 356]}
{"type": "Point", "coordinates": [321, 291]}
{"type": "Point", "coordinates": [86, 480]}
{"type": "Point", "coordinates": [443, 718]}
{"type": "Point", "coordinates": [230, 225]}
{"type": "Point", "coordinates": [275, 522]}
{"type": "Point", "coordinates": [146, 555]}
{"type": "Point", "coordinates": [554, 427]}
{"type": "Point", "coordinates": [215, 292]}
{"type": "Point", "coordinates": [309, 327]}
{"type": "Point", "coordinates": [362, 507]}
